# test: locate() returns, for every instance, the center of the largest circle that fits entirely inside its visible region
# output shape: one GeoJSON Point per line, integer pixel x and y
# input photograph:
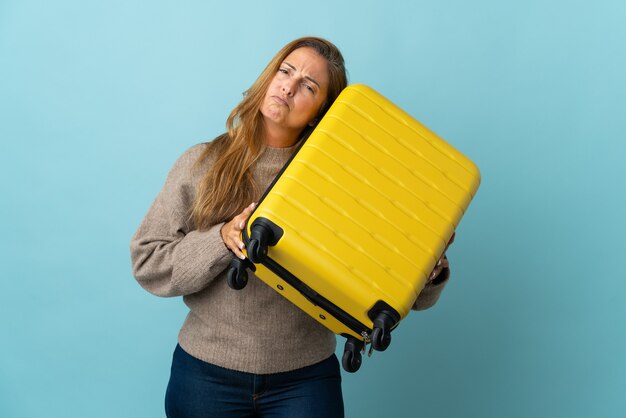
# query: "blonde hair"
{"type": "Point", "coordinates": [228, 186]}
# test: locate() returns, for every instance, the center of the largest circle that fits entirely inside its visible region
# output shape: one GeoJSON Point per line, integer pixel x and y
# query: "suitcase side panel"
{"type": "Point", "coordinates": [443, 155]}
{"type": "Point", "coordinates": [369, 180]}
{"type": "Point", "coordinates": [296, 297]}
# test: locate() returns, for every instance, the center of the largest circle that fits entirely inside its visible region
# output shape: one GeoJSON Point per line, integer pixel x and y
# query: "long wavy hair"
{"type": "Point", "coordinates": [228, 186]}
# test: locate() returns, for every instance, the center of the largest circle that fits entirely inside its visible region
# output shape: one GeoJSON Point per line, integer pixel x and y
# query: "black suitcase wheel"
{"type": "Point", "coordinates": [351, 361]}
{"type": "Point", "coordinates": [237, 277]}
{"type": "Point", "coordinates": [257, 246]}
{"type": "Point", "coordinates": [381, 333]}
{"type": "Point", "coordinates": [380, 339]}
{"type": "Point", "coordinates": [257, 250]}
{"type": "Point", "coordinates": [263, 233]}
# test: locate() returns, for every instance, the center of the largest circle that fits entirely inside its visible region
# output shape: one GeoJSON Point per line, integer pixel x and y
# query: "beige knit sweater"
{"type": "Point", "coordinates": [253, 330]}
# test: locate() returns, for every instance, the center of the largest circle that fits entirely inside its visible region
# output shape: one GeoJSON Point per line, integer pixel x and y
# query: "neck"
{"type": "Point", "coordinates": [279, 138]}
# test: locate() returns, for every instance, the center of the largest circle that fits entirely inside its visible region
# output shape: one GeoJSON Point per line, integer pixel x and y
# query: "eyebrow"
{"type": "Point", "coordinates": [311, 79]}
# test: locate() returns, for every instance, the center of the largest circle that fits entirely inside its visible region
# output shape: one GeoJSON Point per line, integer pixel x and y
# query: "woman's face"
{"type": "Point", "coordinates": [296, 93]}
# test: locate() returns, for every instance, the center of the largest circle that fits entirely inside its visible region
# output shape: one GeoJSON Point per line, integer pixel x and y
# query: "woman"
{"type": "Point", "coordinates": [250, 352]}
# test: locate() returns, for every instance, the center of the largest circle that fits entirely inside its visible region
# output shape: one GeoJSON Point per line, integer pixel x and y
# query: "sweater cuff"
{"type": "Point", "coordinates": [200, 257]}
{"type": "Point", "coordinates": [431, 292]}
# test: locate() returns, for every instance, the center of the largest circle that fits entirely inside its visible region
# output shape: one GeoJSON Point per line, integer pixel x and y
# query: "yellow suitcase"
{"type": "Point", "coordinates": [351, 228]}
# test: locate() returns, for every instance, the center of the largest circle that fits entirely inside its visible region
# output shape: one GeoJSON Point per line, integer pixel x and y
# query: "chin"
{"type": "Point", "coordinates": [272, 113]}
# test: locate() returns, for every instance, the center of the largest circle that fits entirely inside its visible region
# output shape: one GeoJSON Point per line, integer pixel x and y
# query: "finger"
{"type": "Point", "coordinates": [239, 254]}
{"type": "Point", "coordinates": [246, 214]}
{"type": "Point", "coordinates": [232, 239]}
{"type": "Point", "coordinates": [240, 220]}
{"type": "Point", "coordinates": [236, 248]}
{"type": "Point", "coordinates": [247, 211]}
{"type": "Point", "coordinates": [236, 239]}
{"type": "Point", "coordinates": [438, 268]}
{"type": "Point", "coordinates": [451, 240]}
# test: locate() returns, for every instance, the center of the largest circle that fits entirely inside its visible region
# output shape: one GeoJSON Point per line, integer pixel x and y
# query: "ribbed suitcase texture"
{"type": "Point", "coordinates": [358, 218]}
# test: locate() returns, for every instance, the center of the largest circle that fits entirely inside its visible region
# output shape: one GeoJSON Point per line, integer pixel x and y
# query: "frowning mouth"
{"type": "Point", "coordinates": [280, 100]}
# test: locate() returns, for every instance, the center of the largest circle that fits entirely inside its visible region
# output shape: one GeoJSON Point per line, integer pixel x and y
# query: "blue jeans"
{"type": "Point", "coordinates": [199, 389]}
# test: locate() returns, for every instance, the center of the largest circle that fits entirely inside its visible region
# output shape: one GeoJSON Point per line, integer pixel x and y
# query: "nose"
{"type": "Point", "coordinates": [288, 87]}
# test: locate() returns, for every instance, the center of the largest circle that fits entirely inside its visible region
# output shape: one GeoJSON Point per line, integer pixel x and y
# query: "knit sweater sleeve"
{"type": "Point", "coordinates": [169, 257]}
{"type": "Point", "coordinates": [431, 292]}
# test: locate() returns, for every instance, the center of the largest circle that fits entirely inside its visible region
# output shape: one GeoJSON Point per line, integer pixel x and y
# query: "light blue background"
{"type": "Point", "coordinates": [98, 98]}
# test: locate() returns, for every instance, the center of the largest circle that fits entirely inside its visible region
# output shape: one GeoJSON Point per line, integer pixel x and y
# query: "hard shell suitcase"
{"type": "Point", "coordinates": [351, 228]}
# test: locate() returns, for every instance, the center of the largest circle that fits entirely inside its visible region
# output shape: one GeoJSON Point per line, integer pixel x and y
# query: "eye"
{"type": "Point", "coordinates": [283, 70]}
{"type": "Point", "coordinates": [308, 87]}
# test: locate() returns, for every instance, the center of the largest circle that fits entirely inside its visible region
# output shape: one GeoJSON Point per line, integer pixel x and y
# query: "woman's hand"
{"type": "Point", "coordinates": [231, 231]}
{"type": "Point", "coordinates": [442, 263]}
